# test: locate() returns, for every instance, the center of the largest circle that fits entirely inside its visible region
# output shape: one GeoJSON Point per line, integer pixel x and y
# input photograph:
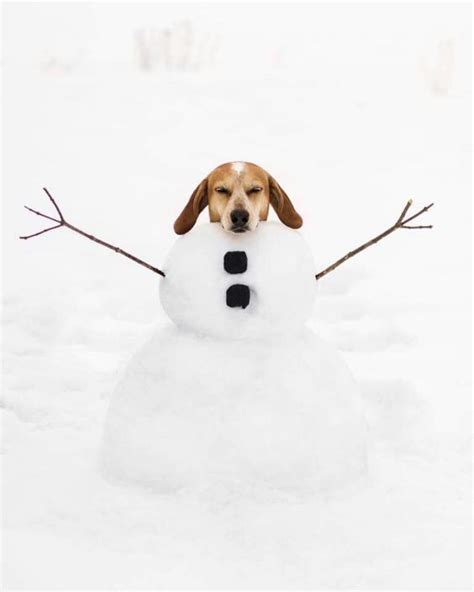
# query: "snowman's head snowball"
{"type": "Point", "coordinates": [237, 286]}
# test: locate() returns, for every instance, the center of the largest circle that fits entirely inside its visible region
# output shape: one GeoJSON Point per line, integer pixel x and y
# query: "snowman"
{"type": "Point", "coordinates": [236, 390]}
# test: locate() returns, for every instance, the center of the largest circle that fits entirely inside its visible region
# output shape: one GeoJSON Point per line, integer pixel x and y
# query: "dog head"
{"type": "Point", "coordinates": [238, 195]}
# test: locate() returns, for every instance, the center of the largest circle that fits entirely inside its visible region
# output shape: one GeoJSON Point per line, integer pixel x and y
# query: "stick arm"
{"type": "Point", "coordinates": [61, 222]}
{"type": "Point", "coordinates": [402, 222]}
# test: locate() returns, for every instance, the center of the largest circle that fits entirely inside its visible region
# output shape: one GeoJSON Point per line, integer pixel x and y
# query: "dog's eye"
{"type": "Point", "coordinates": [255, 189]}
{"type": "Point", "coordinates": [222, 190]}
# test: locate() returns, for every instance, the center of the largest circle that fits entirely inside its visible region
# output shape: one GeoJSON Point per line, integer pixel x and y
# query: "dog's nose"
{"type": "Point", "coordinates": [239, 218]}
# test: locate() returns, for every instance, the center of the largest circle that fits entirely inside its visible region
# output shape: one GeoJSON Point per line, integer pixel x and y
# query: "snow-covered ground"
{"type": "Point", "coordinates": [353, 109]}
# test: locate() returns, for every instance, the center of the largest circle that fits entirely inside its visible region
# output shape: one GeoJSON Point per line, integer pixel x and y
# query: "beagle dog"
{"type": "Point", "coordinates": [238, 195]}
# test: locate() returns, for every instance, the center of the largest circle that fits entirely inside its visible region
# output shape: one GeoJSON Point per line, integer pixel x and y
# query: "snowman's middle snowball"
{"type": "Point", "coordinates": [273, 262]}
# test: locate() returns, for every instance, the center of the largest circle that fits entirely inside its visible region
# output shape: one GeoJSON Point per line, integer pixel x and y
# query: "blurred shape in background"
{"type": "Point", "coordinates": [176, 47]}
{"type": "Point", "coordinates": [439, 72]}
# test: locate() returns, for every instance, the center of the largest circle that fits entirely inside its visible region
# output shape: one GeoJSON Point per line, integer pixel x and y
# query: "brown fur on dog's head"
{"type": "Point", "coordinates": [238, 195]}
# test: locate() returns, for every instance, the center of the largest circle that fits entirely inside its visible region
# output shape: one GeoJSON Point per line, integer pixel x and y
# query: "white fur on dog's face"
{"type": "Point", "coordinates": [238, 167]}
{"type": "Point", "coordinates": [238, 186]}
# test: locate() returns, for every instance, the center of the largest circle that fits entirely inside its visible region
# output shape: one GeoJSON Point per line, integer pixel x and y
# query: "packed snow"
{"type": "Point", "coordinates": [199, 413]}
{"type": "Point", "coordinates": [242, 396]}
{"type": "Point", "coordinates": [280, 275]}
{"type": "Point", "coordinates": [120, 110]}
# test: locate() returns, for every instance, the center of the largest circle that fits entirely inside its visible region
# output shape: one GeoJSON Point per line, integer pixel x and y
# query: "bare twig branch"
{"type": "Point", "coordinates": [422, 211]}
{"type": "Point", "coordinates": [42, 215]}
{"type": "Point", "coordinates": [416, 227]}
{"type": "Point", "coordinates": [400, 223]}
{"type": "Point", "coordinates": [41, 232]}
{"type": "Point", "coordinates": [61, 217]}
{"type": "Point", "coordinates": [63, 223]}
{"type": "Point", "coordinates": [405, 210]}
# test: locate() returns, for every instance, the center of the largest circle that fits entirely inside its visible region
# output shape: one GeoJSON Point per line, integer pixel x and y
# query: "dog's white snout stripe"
{"type": "Point", "coordinates": [238, 167]}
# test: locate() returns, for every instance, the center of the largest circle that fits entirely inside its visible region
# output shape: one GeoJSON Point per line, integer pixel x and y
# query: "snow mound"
{"type": "Point", "coordinates": [279, 274]}
{"type": "Point", "coordinates": [193, 411]}
{"type": "Point", "coordinates": [239, 392]}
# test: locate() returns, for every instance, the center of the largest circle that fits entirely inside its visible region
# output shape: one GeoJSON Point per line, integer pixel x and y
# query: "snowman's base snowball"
{"type": "Point", "coordinates": [192, 411]}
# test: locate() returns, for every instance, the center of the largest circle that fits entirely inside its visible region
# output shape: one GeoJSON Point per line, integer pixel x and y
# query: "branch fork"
{"type": "Point", "coordinates": [61, 222]}
{"type": "Point", "coordinates": [402, 222]}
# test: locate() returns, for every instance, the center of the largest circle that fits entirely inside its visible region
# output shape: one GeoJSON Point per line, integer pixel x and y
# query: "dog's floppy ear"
{"type": "Point", "coordinates": [197, 202]}
{"type": "Point", "coordinates": [282, 205]}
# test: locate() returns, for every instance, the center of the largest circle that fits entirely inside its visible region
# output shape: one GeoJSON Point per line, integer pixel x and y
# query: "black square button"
{"type": "Point", "coordinates": [238, 295]}
{"type": "Point", "coordinates": [235, 261]}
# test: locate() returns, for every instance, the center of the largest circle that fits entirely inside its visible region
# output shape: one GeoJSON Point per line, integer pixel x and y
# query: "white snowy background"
{"type": "Point", "coordinates": [120, 110]}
